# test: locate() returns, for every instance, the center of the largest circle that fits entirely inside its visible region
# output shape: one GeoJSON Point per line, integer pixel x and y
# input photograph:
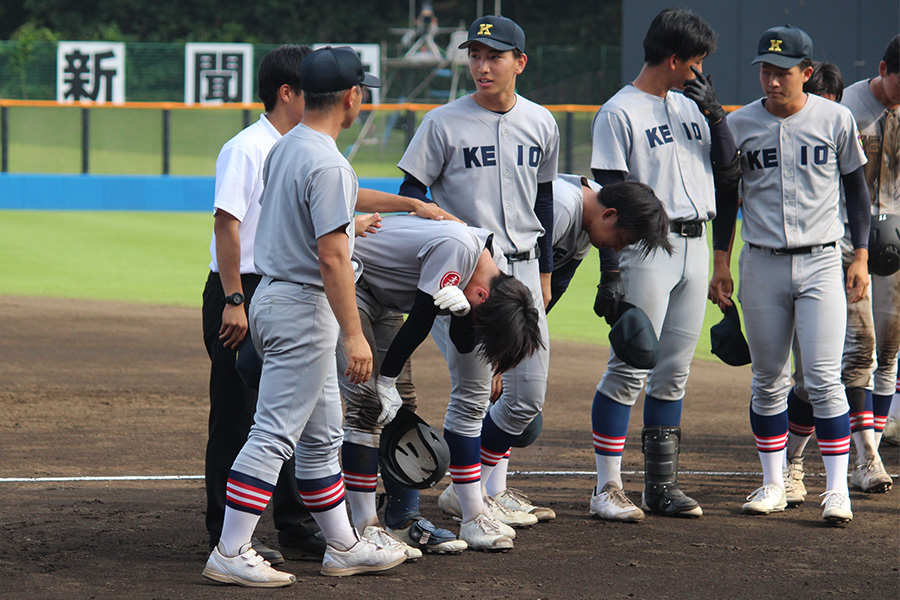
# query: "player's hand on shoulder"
{"type": "Point", "coordinates": [389, 397]}
{"type": "Point", "coordinates": [234, 326]}
{"type": "Point", "coordinates": [610, 292]}
{"type": "Point", "coordinates": [701, 91]}
{"type": "Point", "coordinates": [359, 358]}
{"type": "Point", "coordinates": [430, 210]}
{"type": "Point", "coordinates": [453, 299]}
{"type": "Point", "coordinates": [366, 223]}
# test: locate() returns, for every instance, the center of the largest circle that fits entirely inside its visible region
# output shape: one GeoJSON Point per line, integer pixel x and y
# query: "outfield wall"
{"type": "Point", "coordinates": [123, 192]}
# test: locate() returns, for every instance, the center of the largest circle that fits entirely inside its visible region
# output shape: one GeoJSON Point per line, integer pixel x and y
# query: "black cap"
{"type": "Point", "coordinates": [334, 69]}
{"type": "Point", "coordinates": [633, 339]}
{"type": "Point", "coordinates": [496, 32]}
{"type": "Point", "coordinates": [784, 47]}
{"type": "Point", "coordinates": [728, 341]}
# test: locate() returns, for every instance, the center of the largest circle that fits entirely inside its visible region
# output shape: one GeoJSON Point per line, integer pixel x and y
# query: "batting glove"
{"type": "Point", "coordinates": [453, 299]}
{"type": "Point", "coordinates": [609, 293]}
{"type": "Point", "coordinates": [701, 91]}
{"type": "Point", "coordinates": [386, 387]}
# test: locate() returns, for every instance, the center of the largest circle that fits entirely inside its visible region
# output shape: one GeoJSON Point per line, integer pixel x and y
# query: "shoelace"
{"type": "Point", "coordinates": [386, 539]}
{"type": "Point", "coordinates": [834, 498]}
{"type": "Point", "coordinates": [618, 497]}
{"type": "Point", "coordinates": [519, 496]}
{"type": "Point", "coordinates": [493, 505]}
{"type": "Point", "coordinates": [488, 525]}
{"type": "Point", "coordinates": [760, 493]}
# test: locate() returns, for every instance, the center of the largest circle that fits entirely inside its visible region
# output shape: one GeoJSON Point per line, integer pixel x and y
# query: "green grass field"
{"type": "Point", "coordinates": [162, 258]}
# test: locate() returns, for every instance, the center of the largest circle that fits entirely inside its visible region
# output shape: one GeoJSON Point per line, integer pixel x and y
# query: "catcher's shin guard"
{"type": "Point", "coordinates": [661, 493]}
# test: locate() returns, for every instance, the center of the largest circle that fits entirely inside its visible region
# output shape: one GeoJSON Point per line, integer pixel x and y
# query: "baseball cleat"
{"type": "Point", "coordinates": [612, 504]}
{"type": "Point", "coordinates": [670, 501]}
{"type": "Point", "coordinates": [871, 477]}
{"type": "Point", "coordinates": [272, 556]}
{"type": "Point", "coordinates": [891, 433]}
{"type": "Point", "coordinates": [794, 488]}
{"type": "Point", "coordinates": [837, 507]}
{"type": "Point", "coordinates": [449, 504]}
{"type": "Point", "coordinates": [379, 535]}
{"type": "Point", "coordinates": [362, 557]}
{"type": "Point", "coordinates": [248, 569]}
{"type": "Point", "coordinates": [767, 499]}
{"type": "Point", "coordinates": [514, 499]}
{"type": "Point", "coordinates": [513, 518]}
{"type": "Point", "coordinates": [483, 533]}
{"type": "Point", "coordinates": [422, 534]}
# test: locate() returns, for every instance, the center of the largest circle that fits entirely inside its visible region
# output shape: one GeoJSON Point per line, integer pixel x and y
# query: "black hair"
{"type": "Point", "coordinates": [891, 56]}
{"type": "Point", "coordinates": [678, 32]}
{"type": "Point", "coordinates": [825, 79]}
{"type": "Point", "coordinates": [507, 324]}
{"type": "Point", "coordinates": [640, 212]}
{"type": "Point", "coordinates": [279, 67]}
{"type": "Point", "coordinates": [322, 100]}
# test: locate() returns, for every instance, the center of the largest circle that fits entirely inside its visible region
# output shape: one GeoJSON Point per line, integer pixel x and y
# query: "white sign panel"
{"type": "Point", "coordinates": [90, 72]}
{"type": "Point", "coordinates": [370, 55]}
{"type": "Point", "coordinates": [218, 73]}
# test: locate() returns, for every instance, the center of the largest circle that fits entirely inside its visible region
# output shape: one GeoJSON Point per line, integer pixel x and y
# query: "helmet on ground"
{"type": "Point", "coordinates": [413, 453]}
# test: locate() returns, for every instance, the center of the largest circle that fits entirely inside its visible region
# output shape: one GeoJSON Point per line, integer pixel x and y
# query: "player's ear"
{"type": "Point", "coordinates": [882, 69]}
{"type": "Point", "coordinates": [521, 61]}
{"type": "Point", "coordinates": [609, 214]}
{"type": "Point", "coordinates": [285, 92]}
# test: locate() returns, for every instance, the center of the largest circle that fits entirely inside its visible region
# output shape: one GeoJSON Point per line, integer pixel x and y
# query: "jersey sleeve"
{"type": "Point", "coordinates": [236, 177]}
{"type": "Point", "coordinates": [849, 147]}
{"type": "Point", "coordinates": [448, 262]}
{"type": "Point", "coordinates": [547, 171]}
{"type": "Point", "coordinates": [328, 191]}
{"type": "Point", "coordinates": [425, 156]}
{"type": "Point", "coordinates": [611, 142]}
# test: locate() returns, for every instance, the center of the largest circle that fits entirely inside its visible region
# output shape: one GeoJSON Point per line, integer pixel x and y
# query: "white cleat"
{"type": "Point", "coordinates": [379, 535]}
{"type": "Point", "coordinates": [767, 499]}
{"type": "Point", "coordinates": [449, 504]}
{"type": "Point", "coordinates": [891, 433]}
{"type": "Point", "coordinates": [613, 505]}
{"type": "Point", "coordinates": [514, 499]}
{"type": "Point", "coordinates": [362, 557]}
{"type": "Point", "coordinates": [248, 569]}
{"type": "Point", "coordinates": [513, 518]}
{"type": "Point", "coordinates": [484, 533]}
{"type": "Point", "coordinates": [871, 477]}
{"type": "Point", "coordinates": [837, 507]}
{"type": "Point", "coordinates": [794, 488]}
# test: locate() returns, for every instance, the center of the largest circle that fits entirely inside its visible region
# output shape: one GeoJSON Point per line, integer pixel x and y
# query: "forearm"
{"type": "Point", "coordinates": [859, 207]}
{"type": "Point", "coordinates": [410, 336]}
{"type": "Point", "coordinates": [228, 254]}
{"type": "Point", "coordinates": [726, 218]}
{"type": "Point", "coordinates": [723, 148]}
{"type": "Point", "coordinates": [377, 201]}
{"type": "Point", "coordinates": [543, 208]}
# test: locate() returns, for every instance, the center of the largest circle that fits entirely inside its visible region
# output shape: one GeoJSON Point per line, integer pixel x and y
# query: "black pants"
{"type": "Point", "coordinates": [232, 406]}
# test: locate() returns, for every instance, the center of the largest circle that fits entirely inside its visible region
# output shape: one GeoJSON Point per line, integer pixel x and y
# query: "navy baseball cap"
{"type": "Point", "coordinates": [496, 32]}
{"type": "Point", "coordinates": [633, 339]}
{"type": "Point", "coordinates": [784, 47]}
{"type": "Point", "coordinates": [334, 69]}
{"type": "Point", "coordinates": [727, 339]}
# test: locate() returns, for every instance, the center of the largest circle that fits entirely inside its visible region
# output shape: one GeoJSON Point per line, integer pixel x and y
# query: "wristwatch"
{"type": "Point", "coordinates": [236, 299]}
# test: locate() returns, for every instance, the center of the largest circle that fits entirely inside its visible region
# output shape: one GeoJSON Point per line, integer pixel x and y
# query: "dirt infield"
{"type": "Point", "coordinates": [108, 390]}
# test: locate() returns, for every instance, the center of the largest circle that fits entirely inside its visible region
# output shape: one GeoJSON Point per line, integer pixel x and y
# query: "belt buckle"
{"type": "Point", "coordinates": [780, 251]}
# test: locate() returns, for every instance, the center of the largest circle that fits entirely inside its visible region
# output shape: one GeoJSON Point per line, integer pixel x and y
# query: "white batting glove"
{"type": "Point", "coordinates": [389, 397]}
{"type": "Point", "coordinates": [453, 299]}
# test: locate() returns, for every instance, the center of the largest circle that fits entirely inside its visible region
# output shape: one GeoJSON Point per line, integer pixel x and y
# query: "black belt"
{"type": "Point", "coordinates": [530, 255]}
{"type": "Point", "coordinates": [690, 229]}
{"type": "Point", "coordinates": [797, 250]}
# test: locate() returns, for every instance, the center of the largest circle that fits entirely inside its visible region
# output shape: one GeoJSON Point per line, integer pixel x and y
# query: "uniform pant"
{"type": "Point", "coordinates": [672, 291]}
{"type": "Point", "coordinates": [231, 409]}
{"type": "Point", "coordinates": [299, 408]}
{"type": "Point", "coordinates": [781, 294]}
{"type": "Point", "coordinates": [524, 387]}
{"type": "Point", "coordinates": [361, 402]}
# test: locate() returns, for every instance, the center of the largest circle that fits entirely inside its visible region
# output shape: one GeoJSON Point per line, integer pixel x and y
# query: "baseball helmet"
{"type": "Point", "coordinates": [633, 339]}
{"type": "Point", "coordinates": [413, 453]}
{"type": "Point", "coordinates": [728, 341]}
{"type": "Point", "coordinates": [248, 363]}
{"type": "Point", "coordinates": [884, 245]}
{"type": "Point", "coordinates": [531, 433]}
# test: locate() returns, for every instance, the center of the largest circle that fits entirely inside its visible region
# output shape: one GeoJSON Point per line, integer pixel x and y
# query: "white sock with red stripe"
{"type": "Point", "coordinates": [361, 479]}
{"type": "Point", "coordinates": [246, 498]}
{"type": "Point", "coordinates": [471, 501]}
{"type": "Point", "coordinates": [609, 468]}
{"type": "Point", "coordinates": [324, 498]}
{"type": "Point", "coordinates": [496, 483]}
{"type": "Point", "coordinates": [836, 472]}
{"type": "Point", "coordinates": [489, 462]}
{"type": "Point", "coordinates": [771, 435]}
{"type": "Point", "coordinates": [834, 444]}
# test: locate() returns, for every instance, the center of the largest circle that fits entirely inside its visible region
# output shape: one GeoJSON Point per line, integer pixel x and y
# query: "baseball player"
{"type": "Point", "coordinates": [303, 304]}
{"type": "Point", "coordinates": [869, 366]}
{"type": "Point", "coordinates": [675, 143]}
{"type": "Point", "coordinates": [584, 216]}
{"type": "Point", "coordinates": [797, 150]}
{"type": "Point", "coordinates": [424, 268]}
{"type": "Point", "coordinates": [490, 159]}
{"type": "Point", "coordinates": [825, 81]}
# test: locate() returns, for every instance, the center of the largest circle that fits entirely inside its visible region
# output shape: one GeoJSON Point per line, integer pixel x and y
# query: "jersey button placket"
{"type": "Point", "coordinates": [788, 190]}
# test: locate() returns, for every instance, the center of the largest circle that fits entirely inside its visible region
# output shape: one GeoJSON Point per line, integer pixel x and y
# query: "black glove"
{"type": "Point", "coordinates": [609, 293]}
{"type": "Point", "coordinates": [701, 91]}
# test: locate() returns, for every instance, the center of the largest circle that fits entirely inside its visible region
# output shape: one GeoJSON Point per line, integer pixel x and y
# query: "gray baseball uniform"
{"type": "Point", "coordinates": [664, 143]}
{"type": "Point", "coordinates": [310, 192]}
{"type": "Point", "coordinates": [485, 167]}
{"type": "Point", "coordinates": [791, 200]}
{"type": "Point", "coordinates": [408, 254]}
{"type": "Point", "coordinates": [875, 321]}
